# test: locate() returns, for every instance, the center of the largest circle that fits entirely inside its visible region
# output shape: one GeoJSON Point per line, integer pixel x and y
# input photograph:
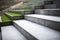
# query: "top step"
{"type": "Point", "coordinates": [38, 31]}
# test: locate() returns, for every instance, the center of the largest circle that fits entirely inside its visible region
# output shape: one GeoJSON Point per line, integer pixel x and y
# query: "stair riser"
{"type": "Point", "coordinates": [24, 12]}
{"type": "Point", "coordinates": [39, 7]}
{"type": "Point", "coordinates": [52, 6]}
{"type": "Point", "coordinates": [0, 34]}
{"type": "Point", "coordinates": [48, 2]}
{"type": "Point", "coordinates": [48, 23]}
{"type": "Point", "coordinates": [0, 28]}
{"type": "Point", "coordinates": [53, 24]}
{"type": "Point", "coordinates": [0, 24]}
{"type": "Point", "coordinates": [25, 33]}
{"type": "Point", "coordinates": [56, 1]}
{"type": "Point", "coordinates": [15, 17]}
{"type": "Point", "coordinates": [35, 20]}
{"type": "Point", "coordinates": [6, 23]}
{"type": "Point", "coordinates": [48, 12]}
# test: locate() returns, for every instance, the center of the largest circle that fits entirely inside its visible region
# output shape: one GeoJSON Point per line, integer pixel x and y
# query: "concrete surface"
{"type": "Point", "coordinates": [52, 12]}
{"type": "Point", "coordinates": [11, 33]}
{"type": "Point", "coordinates": [38, 31]}
{"type": "Point", "coordinates": [52, 18]}
{"type": "Point", "coordinates": [48, 22]}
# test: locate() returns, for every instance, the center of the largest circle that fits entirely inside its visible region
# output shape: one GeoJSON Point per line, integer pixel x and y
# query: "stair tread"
{"type": "Point", "coordinates": [11, 33]}
{"type": "Point", "coordinates": [38, 31]}
{"type": "Point", "coordinates": [52, 18]}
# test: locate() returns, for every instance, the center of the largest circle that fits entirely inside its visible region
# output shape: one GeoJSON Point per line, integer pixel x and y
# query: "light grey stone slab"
{"type": "Point", "coordinates": [38, 31]}
{"type": "Point", "coordinates": [11, 33]}
{"type": "Point", "coordinates": [46, 17]}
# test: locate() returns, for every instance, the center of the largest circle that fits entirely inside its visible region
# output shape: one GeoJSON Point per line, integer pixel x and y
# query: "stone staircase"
{"type": "Point", "coordinates": [43, 24]}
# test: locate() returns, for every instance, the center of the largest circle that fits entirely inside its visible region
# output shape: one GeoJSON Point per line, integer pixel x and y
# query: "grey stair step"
{"type": "Point", "coordinates": [52, 18]}
{"type": "Point", "coordinates": [38, 31]}
{"type": "Point", "coordinates": [48, 2]}
{"type": "Point", "coordinates": [49, 21]}
{"type": "Point", "coordinates": [52, 12]}
{"type": "Point", "coordinates": [11, 33]}
{"type": "Point", "coordinates": [25, 33]}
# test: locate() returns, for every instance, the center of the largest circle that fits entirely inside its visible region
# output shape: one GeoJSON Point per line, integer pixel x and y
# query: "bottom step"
{"type": "Point", "coordinates": [38, 31]}
{"type": "Point", "coordinates": [11, 33]}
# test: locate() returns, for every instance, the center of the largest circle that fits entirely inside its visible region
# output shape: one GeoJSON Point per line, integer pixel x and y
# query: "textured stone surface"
{"type": "Point", "coordinates": [49, 21]}
{"type": "Point", "coordinates": [11, 33]}
{"type": "Point", "coordinates": [48, 12]}
{"type": "Point", "coordinates": [38, 31]}
{"type": "Point", "coordinates": [32, 19]}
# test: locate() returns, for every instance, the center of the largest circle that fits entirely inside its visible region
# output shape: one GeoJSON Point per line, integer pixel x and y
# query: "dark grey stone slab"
{"type": "Point", "coordinates": [48, 2]}
{"type": "Point", "coordinates": [52, 24]}
{"type": "Point", "coordinates": [39, 7]}
{"type": "Point", "coordinates": [56, 1]}
{"type": "Point", "coordinates": [52, 6]}
{"type": "Point", "coordinates": [0, 24]}
{"type": "Point", "coordinates": [27, 12]}
{"type": "Point", "coordinates": [0, 35]}
{"type": "Point", "coordinates": [6, 23]}
{"type": "Point", "coordinates": [41, 21]}
{"type": "Point", "coordinates": [32, 19]}
{"type": "Point", "coordinates": [17, 17]}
